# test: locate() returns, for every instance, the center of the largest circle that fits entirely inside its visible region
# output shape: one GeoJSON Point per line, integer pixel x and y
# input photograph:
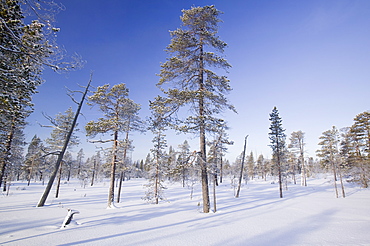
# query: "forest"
{"type": "Point", "coordinates": [190, 83]}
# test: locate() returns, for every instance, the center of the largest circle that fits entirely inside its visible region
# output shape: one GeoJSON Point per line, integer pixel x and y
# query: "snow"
{"type": "Point", "coordinates": [305, 216]}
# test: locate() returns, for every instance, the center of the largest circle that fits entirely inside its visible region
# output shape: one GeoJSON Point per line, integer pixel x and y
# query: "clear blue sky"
{"type": "Point", "coordinates": [311, 59]}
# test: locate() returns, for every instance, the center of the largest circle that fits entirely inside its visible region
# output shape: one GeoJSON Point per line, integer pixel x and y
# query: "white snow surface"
{"type": "Point", "coordinates": [305, 216]}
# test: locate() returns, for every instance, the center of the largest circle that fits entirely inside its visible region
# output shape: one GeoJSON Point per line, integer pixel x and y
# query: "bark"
{"type": "Point", "coordinates": [221, 170]}
{"type": "Point", "coordinates": [59, 178]}
{"type": "Point", "coordinates": [335, 176]}
{"type": "Point", "coordinates": [303, 171]}
{"type": "Point", "coordinates": [156, 185]}
{"type": "Point", "coordinates": [7, 154]}
{"type": "Point", "coordinates": [121, 177]}
{"type": "Point", "coordinates": [341, 183]}
{"type": "Point", "coordinates": [214, 193]}
{"type": "Point", "coordinates": [202, 136]}
{"type": "Point", "coordinates": [124, 162]}
{"type": "Point", "coordinates": [278, 162]}
{"type": "Point", "coordinates": [113, 171]}
{"type": "Point", "coordinates": [93, 173]}
{"type": "Point", "coordinates": [61, 154]}
{"type": "Point", "coordinates": [242, 167]}
{"type": "Point", "coordinates": [280, 176]}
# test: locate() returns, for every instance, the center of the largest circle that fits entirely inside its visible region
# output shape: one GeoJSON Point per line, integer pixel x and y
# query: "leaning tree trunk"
{"type": "Point", "coordinates": [59, 178]}
{"type": "Point", "coordinates": [241, 169]}
{"type": "Point", "coordinates": [61, 154]}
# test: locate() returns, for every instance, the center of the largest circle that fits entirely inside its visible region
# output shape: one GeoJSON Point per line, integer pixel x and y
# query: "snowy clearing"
{"type": "Point", "coordinates": [305, 216]}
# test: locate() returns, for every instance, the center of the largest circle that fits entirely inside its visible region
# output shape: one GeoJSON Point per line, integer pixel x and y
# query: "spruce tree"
{"type": "Point", "coordinates": [277, 139]}
{"type": "Point", "coordinates": [193, 53]}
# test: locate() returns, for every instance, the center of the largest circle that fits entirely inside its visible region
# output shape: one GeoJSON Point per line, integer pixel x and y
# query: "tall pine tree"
{"type": "Point", "coordinates": [193, 51]}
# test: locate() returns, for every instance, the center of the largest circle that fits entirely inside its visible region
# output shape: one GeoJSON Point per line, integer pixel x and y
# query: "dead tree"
{"type": "Point", "coordinates": [61, 154]}
{"type": "Point", "coordinates": [242, 167]}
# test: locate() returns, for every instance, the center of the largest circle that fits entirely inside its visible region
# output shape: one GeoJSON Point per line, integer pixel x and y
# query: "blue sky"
{"type": "Point", "coordinates": [311, 59]}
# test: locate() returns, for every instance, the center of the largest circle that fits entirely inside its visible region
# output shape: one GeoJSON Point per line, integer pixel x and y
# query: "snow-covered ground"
{"type": "Point", "coordinates": [305, 216]}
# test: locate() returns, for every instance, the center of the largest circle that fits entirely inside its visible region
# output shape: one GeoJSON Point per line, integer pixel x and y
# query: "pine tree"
{"type": "Point", "coordinates": [157, 125]}
{"type": "Point", "coordinates": [80, 156]}
{"type": "Point", "coordinates": [360, 131]}
{"type": "Point", "coordinates": [277, 139]}
{"type": "Point", "coordinates": [24, 50]}
{"type": "Point", "coordinates": [61, 125]}
{"type": "Point", "coordinates": [329, 155]}
{"type": "Point", "coordinates": [262, 167]}
{"type": "Point", "coordinates": [297, 145]}
{"type": "Point", "coordinates": [117, 109]}
{"type": "Point", "coordinates": [34, 157]}
{"type": "Point", "coordinates": [194, 83]}
{"type": "Point", "coordinates": [182, 163]}
{"type": "Point", "coordinates": [250, 166]}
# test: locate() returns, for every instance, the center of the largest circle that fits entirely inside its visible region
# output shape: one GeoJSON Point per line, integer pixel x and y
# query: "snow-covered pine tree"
{"type": "Point", "coordinates": [250, 166]}
{"type": "Point", "coordinates": [181, 169]}
{"type": "Point", "coordinates": [24, 50]}
{"type": "Point", "coordinates": [194, 84]}
{"type": "Point", "coordinates": [118, 111]}
{"type": "Point", "coordinates": [34, 157]}
{"type": "Point", "coordinates": [277, 139]}
{"type": "Point", "coordinates": [61, 125]}
{"type": "Point", "coordinates": [329, 155]}
{"type": "Point", "coordinates": [297, 147]}
{"type": "Point", "coordinates": [262, 168]}
{"type": "Point", "coordinates": [360, 131]}
{"type": "Point", "coordinates": [157, 166]}
{"type": "Point", "coordinates": [80, 157]}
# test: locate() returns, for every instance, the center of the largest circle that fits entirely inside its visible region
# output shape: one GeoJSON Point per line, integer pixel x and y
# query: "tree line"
{"type": "Point", "coordinates": [188, 83]}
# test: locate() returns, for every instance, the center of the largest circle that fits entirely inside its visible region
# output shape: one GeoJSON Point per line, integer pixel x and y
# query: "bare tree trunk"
{"type": "Point", "coordinates": [242, 167]}
{"type": "Point", "coordinates": [214, 193]}
{"type": "Point", "coordinates": [202, 135]}
{"type": "Point", "coordinates": [121, 175]}
{"type": "Point", "coordinates": [5, 183]}
{"type": "Point", "coordinates": [113, 171]}
{"type": "Point", "coordinates": [341, 181]}
{"type": "Point", "coordinates": [156, 180]}
{"type": "Point", "coordinates": [59, 178]}
{"type": "Point", "coordinates": [61, 154]}
{"type": "Point", "coordinates": [303, 171]}
{"type": "Point", "coordinates": [93, 174]}
{"type": "Point", "coordinates": [280, 176]}
{"type": "Point", "coordinates": [335, 176]}
{"type": "Point", "coordinates": [221, 170]}
{"type": "Point", "coordinates": [124, 165]}
{"type": "Point", "coordinates": [341, 184]}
